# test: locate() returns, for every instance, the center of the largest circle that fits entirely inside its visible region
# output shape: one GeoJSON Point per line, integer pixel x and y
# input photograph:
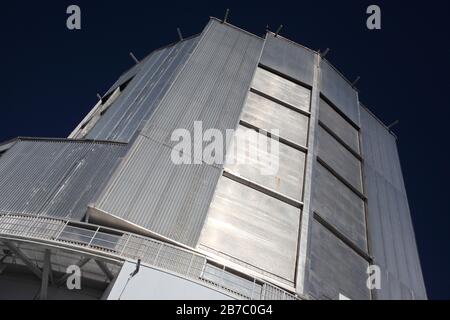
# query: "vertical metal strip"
{"type": "Point", "coordinates": [307, 214]}
{"type": "Point", "coordinates": [372, 292]}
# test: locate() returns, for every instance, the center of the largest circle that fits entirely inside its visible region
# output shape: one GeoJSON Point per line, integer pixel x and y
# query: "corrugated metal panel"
{"type": "Point", "coordinates": [334, 268]}
{"type": "Point", "coordinates": [282, 89]}
{"type": "Point", "coordinates": [143, 94]}
{"type": "Point", "coordinates": [149, 189]}
{"type": "Point", "coordinates": [380, 150]}
{"type": "Point", "coordinates": [253, 227]}
{"type": "Point", "coordinates": [338, 125]}
{"type": "Point", "coordinates": [289, 58]}
{"type": "Point", "coordinates": [213, 86]}
{"type": "Point", "coordinates": [255, 160]}
{"type": "Point", "coordinates": [55, 178]}
{"type": "Point", "coordinates": [339, 159]}
{"type": "Point", "coordinates": [339, 92]}
{"type": "Point", "coordinates": [391, 234]}
{"type": "Point", "coordinates": [267, 115]}
{"type": "Point", "coordinates": [339, 206]}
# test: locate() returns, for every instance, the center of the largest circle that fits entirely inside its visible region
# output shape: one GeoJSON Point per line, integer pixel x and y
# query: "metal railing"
{"type": "Point", "coordinates": [155, 253]}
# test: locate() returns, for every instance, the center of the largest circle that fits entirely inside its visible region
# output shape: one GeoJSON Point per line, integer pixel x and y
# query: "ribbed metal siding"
{"type": "Point", "coordinates": [380, 150]}
{"type": "Point", "coordinates": [339, 92]}
{"type": "Point", "coordinates": [282, 173]}
{"type": "Point", "coordinates": [289, 58]}
{"type": "Point", "coordinates": [282, 89]}
{"type": "Point", "coordinates": [213, 86]}
{"type": "Point", "coordinates": [143, 94]}
{"type": "Point", "coordinates": [335, 268]}
{"type": "Point", "coordinates": [152, 192]}
{"type": "Point", "coordinates": [149, 189]}
{"type": "Point", "coordinates": [391, 234]}
{"type": "Point", "coordinates": [339, 206]}
{"type": "Point", "coordinates": [54, 178]}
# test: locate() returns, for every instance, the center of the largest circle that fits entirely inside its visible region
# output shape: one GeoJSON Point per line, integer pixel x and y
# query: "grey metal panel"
{"type": "Point", "coordinates": [380, 150]}
{"type": "Point", "coordinates": [335, 268]}
{"type": "Point", "coordinates": [266, 114]}
{"type": "Point", "coordinates": [55, 178]}
{"type": "Point", "coordinates": [282, 171]}
{"type": "Point", "coordinates": [391, 234]}
{"type": "Point", "coordinates": [339, 158]}
{"type": "Point", "coordinates": [339, 92]}
{"type": "Point", "coordinates": [212, 87]}
{"type": "Point", "coordinates": [253, 227]}
{"type": "Point", "coordinates": [339, 206]}
{"type": "Point", "coordinates": [151, 191]}
{"type": "Point", "coordinates": [289, 58]}
{"type": "Point", "coordinates": [341, 127]}
{"type": "Point", "coordinates": [143, 94]}
{"type": "Point", "coordinates": [282, 89]}
{"type": "Point", "coordinates": [391, 237]}
{"type": "Point", "coordinates": [393, 289]}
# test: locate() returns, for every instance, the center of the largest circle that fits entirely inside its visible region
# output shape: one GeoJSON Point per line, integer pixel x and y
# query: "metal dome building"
{"type": "Point", "coordinates": [109, 201]}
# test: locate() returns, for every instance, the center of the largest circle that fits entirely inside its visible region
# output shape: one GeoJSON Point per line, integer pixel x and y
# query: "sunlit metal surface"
{"type": "Point", "coordinates": [282, 89]}
{"type": "Point", "coordinates": [212, 87]}
{"type": "Point", "coordinates": [253, 227]}
{"type": "Point", "coordinates": [288, 58]}
{"type": "Point", "coordinates": [301, 228]}
{"type": "Point", "coordinates": [340, 206]}
{"type": "Point", "coordinates": [391, 233]}
{"type": "Point", "coordinates": [151, 190]}
{"type": "Point", "coordinates": [143, 94]}
{"type": "Point", "coordinates": [282, 171]}
{"type": "Point", "coordinates": [266, 114]}
{"type": "Point", "coordinates": [340, 159]}
{"type": "Point", "coordinates": [156, 194]}
{"type": "Point", "coordinates": [55, 178]}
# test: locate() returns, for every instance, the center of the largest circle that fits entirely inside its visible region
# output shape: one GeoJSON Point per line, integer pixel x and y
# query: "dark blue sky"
{"type": "Point", "coordinates": [50, 76]}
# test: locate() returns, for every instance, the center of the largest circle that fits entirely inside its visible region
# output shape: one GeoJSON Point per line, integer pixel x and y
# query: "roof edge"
{"type": "Point", "coordinates": [24, 138]}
